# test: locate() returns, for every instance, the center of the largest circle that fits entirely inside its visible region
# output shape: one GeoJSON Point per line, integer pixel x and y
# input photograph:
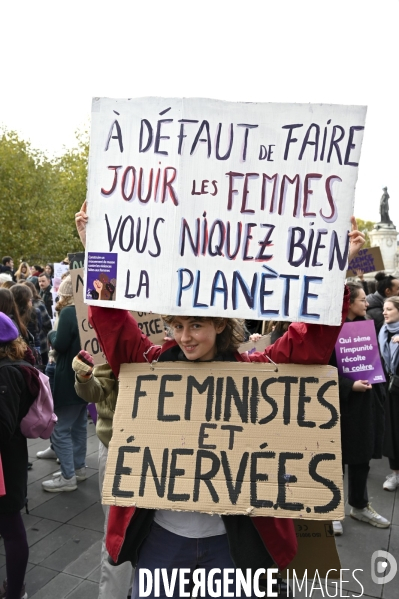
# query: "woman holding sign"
{"type": "Point", "coordinates": [362, 426]}
{"type": "Point", "coordinates": [166, 539]}
{"type": "Point", "coordinates": [389, 346]}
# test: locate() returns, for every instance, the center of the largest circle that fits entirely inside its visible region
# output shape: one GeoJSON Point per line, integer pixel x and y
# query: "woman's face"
{"type": "Point", "coordinates": [196, 338]}
{"type": "Point", "coordinates": [24, 269]}
{"type": "Point", "coordinates": [359, 306]}
{"type": "Point", "coordinates": [391, 314]}
{"type": "Point", "coordinates": [47, 269]}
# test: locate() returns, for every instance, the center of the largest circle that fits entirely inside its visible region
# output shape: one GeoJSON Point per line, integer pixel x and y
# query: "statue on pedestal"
{"type": "Point", "coordinates": [384, 207]}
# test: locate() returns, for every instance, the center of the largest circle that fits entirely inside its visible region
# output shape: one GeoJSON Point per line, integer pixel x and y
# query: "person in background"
{"type": "Point", "coordinates": [37, 270]}
{"type": "Point", "coordinates": [8, 284]}
{"type": "Point", "coordinates": [24, 303]}
{"type": "Point", "coordinates": [387, 286]}
{"type": "Point", "coordinates": [7, 266]}
{"type": "Point", "coordinates": [360, 275]}
{"type": "Point", "coordinates": [362, 427]}
{"type": "Point", "coordinates": [43, 319]}
{"type": "Point", "coordinates": [19, 385]}
{"type": "Point", "coordinates": [22, 272]}
{"type": "Point", "coordinates": [49, 270]}
{"type": "Point", "coordinates": [388, 340]}
{"type": "Point", "coordinates": [69, 438]}
{"type": "Point", "coordinates": [100, 386]}
{"type": "Point", "coordinates": [45, 292]}
{"type": "Point", "coordinates": [33, 279]}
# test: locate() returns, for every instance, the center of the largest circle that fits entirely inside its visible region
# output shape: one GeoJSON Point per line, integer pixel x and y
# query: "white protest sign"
{"type": "Point", "coordinates": [204, 207]}
{"type": "Point", "coordinates": [59, 269]}
{"type": "Point", "coordinates": [227, 438]}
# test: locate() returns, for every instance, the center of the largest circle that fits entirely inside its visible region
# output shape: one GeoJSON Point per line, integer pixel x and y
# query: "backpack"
{"type": "Point", "coordinates": [40, 419]}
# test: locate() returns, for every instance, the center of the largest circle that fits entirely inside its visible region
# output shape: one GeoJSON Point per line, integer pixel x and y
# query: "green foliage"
{"type": "Point", "coordinates": [38, 199]}
{"type": "Point", "coordinates": [365, 225]}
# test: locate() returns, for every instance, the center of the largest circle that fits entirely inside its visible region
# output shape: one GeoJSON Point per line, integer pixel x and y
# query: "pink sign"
{"type": "Point", "coordinates": [357, 352]}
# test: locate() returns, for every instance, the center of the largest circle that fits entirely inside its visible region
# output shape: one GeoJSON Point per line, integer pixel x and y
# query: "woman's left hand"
{"type": "Point", "coordinates": [81, 223]}
{"type": "Point", "coordinates": [356, 240]}
{"type": "Point", "coordinates": [255, 337]}
{"type": "Point", "coordinates": [395, 339]}
{"type": "Point", "coordinates": [361, 386]}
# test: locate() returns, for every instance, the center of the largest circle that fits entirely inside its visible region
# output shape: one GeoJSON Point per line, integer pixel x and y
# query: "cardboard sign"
{"type": "Point", "coordinates": [76, 260]}
{"type": "Point", "coordinates": [255, 346]}
{"type": "Point", "coordinates": [210, 208]}
{"type": "Point", "coordinates": [227, 438]}
{"type": "Point", "coordinates": [88, 337]}
{"type": "Point", "coordinates": [367, 260]}
{"type": "Point", "coordinates": [150, 324]}
{"type": "Point", "coordinates": [316, 551]}
{"type": "Point", "coordinates": [356, 350]}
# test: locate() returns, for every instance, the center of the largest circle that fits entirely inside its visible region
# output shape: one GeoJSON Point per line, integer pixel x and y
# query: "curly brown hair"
{"type": "Point", "coordinates": [15, 350]}
{"type": "Point", "coordinates": [65, 301]}
{"type": "Point", "coordinates": [354, 289]}
{"type": "Point", "coordinates": [229, 340]}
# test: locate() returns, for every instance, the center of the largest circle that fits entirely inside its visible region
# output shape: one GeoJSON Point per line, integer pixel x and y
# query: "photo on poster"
{"type": "Point", "coordinates": [101, 276]}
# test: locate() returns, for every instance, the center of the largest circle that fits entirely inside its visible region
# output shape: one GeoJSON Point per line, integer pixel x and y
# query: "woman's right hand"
{"type": "Point", "coordinates": [83, 364]}
{"type": "Point", "coordinates": [81, 219]}
{"type": "Point", "coordinates": [361, 386]}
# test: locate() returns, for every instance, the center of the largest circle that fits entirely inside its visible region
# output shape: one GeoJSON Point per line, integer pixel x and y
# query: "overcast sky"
{"type": "Point", "coordinates": [56, 56]}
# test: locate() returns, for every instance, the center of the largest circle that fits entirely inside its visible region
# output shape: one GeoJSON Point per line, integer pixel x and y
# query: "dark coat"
{"type": "Point", "coordinates": [362, 420]}
{"type": "Point", "coordinates": [47, 299]}
{"type": "Point", "coordinates": [391, 437]}
{"type": "Point", "coordinates": [18, 388]}
{"type": "Point", "coordinates": [65, 340]}
{"type": "Point", "coordinates": [374, 310]}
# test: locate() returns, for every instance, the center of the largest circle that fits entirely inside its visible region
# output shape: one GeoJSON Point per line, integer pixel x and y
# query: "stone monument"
{"type": "Point", "coordinates": [384, 234]}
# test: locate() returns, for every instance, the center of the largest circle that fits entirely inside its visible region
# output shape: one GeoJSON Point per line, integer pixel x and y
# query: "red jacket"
{"type": "Point", "coordinates": [123, 342]}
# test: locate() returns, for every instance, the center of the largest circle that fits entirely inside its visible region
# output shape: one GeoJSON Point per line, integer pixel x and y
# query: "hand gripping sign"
{"type": "Point", "coordinates": [202, 207]}
{"type": "Point", "coordinates": [227, 438]}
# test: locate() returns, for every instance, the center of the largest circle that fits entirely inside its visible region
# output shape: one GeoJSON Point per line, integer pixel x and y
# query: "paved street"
{"type": "Point", "coordinates": [65, 531]}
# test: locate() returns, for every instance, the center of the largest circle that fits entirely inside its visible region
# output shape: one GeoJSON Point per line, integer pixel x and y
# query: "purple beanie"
{"type": "Point", "coordinates": [8, 330]}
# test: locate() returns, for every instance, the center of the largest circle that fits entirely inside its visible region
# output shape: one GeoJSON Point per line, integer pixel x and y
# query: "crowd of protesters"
{"type": "Point", "coordinates": [34, 330]}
